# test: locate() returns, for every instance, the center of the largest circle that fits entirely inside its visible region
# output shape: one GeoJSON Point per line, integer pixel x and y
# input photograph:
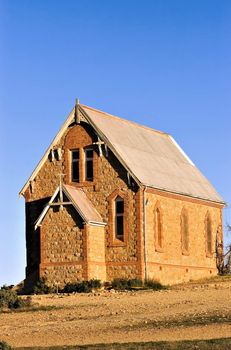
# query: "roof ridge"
{"type": "Point", "coordinates": [126, 120]}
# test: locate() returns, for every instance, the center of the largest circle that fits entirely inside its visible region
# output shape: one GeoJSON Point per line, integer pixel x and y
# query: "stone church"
{"type": "Point", "coordinates": [111, 198]}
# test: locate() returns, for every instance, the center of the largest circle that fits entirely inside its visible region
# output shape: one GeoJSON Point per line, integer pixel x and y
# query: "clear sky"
{"type": "Point", "coordinates": [161, 63]}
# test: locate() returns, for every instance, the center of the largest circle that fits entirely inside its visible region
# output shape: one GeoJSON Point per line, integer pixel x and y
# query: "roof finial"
{"type": "Point", "coordinates": [77, 117]}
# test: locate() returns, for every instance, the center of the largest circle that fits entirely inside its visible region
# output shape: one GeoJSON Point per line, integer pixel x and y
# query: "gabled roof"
{"type": "Point", "coordinates": [81, 203]}
{"type": "Point", "coordinates": [151, 157]}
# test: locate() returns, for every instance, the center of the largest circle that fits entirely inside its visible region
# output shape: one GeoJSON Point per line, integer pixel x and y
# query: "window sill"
{"type": "Point", "coordinates": [82, 184]}
{"type": "Point", "coordinates": [209, 255]}
{"type": "Point", "coordinates": [185, 252]}
{"type": "Point", "coordinates": [159, 249]}
{"type": "Point", "coordinates": [117, 243]}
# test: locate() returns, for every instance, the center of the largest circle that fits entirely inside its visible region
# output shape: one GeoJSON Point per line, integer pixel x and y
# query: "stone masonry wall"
{"type": "Point", "coordinates": [170, 265]}
{"type": "Point", "coordinates": [122, 259]}
{"type": "Point", "coordinates": [109, 176]}
{"type": "Point", "coordinates": [62, 247]}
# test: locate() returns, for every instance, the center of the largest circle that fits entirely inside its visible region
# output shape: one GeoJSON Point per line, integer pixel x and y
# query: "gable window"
{"type": "Point", "coordinates": [158, 229]}
{"type": "Point", "coordinates": [208, 234]}
{"type": "Point", "coordinates": [184, 232]}
{"type": "Point", "coordinates": [75, 165]}
{"type": "Point", "coordinates": [119, 218]}
{"type": "Point", "coordinates": [89, 164]}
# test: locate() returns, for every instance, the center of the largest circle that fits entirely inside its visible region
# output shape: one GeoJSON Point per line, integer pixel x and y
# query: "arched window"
{"type": "Point", "coordinates": [184, 232]}
{"type": "Point", "coordinates": [208, 234]}
{"type": "Point", "coordinates": [158, 228]}
{"type": "Point", "coordinates": [119, 218]}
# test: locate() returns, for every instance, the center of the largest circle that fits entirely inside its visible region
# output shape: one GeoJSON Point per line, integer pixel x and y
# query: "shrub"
{"type": "Point", "coordinates": [82, 287]}
{"type": "Point", "coordinates": [4, 346]}
{"type": "Point", "coordinates": [41, 287]}
{"type": "Point", "coordinates": [126, 284]}
{"type": "Point", "coordinates": [10, 299]}
{"type": "Point", "coordinates": [155, 285]}
{"type": "Point", "coordinates": [23, 302]}
{"type": "Point", "coordinates": [129, 284]}
{"type": "Point", "coordinates": [95, 284]}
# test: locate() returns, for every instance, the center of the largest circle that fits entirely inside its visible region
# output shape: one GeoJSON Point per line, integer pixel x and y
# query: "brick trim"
{"type": "Point", "coordinates": [113, 241]}
{"type": "Point", "coordinates": [185, 198]}
{"type": "Point", "coordinates": [121, 263]}
{"type": "Point", "coordinates": [85, 252]}
{"type": "Point", "coordinates": [62, 263]}
{"type": "Point", "coordinates": [140, 238]}
{"type": "Point", "coordinates": [42, 257]}
{"type": "Point", "coordinates": [79, 138]}
{"type": "Point", "coordinates": [182, 266]}
{"type": "Point", "coordinates": [83, 263]}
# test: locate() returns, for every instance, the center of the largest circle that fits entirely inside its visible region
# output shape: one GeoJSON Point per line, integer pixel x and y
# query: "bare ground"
{"type": "Point", "coordinates": [192, 311]}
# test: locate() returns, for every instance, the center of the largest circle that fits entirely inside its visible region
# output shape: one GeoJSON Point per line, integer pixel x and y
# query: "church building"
{"type": "Point", "coordinates": [114, 199]}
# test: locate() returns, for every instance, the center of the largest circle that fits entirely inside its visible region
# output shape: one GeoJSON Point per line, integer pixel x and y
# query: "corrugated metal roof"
{"type": "Point", "coordinates": [83, 205]}
{"type": "Point", "coordinates": [153, 157]}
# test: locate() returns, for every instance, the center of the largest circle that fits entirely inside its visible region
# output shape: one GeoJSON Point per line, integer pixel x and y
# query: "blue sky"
{"type": "Point", "coordinates": [161, 63]}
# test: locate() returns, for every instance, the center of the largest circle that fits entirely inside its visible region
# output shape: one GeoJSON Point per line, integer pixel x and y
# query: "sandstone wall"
{"type": "Point", "coordinates": [109, 176]}
{"type": "Point", "coordinates": [96, 253]}
{"type": "Point", "coordinates": [62, 246]}
{"type": "Point", "coordinates": [171, 265]}
{"type": "Point", "coordinates": [122, 259]}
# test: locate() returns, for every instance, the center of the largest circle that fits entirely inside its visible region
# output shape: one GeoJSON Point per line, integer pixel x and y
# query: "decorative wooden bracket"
{"type": "Point", "coordinates": [106, 149]}
{"type": "Point", "coordinates": [32, 186]}
{"type": "Point", "coordinates": [52, 155]}
{"type": "Point", "coordinates": [129, 178]}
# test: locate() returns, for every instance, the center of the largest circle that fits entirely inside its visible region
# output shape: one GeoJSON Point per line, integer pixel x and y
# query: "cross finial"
{"type": "Point", "coordinates": [77, 112]}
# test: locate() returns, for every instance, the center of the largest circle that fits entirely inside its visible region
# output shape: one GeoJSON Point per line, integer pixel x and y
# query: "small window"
{"type": "Point", "coordinates": [184, 232]}
{"type": "Point", "coordinates": [89, 164]}
{"type": "Point", "coordinates": [75, 165]}
{"type": "Point", "coordinates": [119, 218]}
{"type": "Point", "coordinates": [208, 232]}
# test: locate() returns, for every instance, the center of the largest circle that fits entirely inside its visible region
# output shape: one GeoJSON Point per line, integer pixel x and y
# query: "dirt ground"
{"type": "Point", "coordinates": [193, 311]}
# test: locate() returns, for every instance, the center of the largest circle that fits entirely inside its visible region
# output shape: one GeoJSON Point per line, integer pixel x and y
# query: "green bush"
{"type": "Point", "coordinates": [82, 287]}
{"type": "Point", "coordinates": [153, 284]}
{"type": "Point", "coordinates": [10, 299]}
{"type": "Point", "coordinates": [129, 284]}
{"type": "Point", "coordinates": [41, 287]}
{"type": "Point", "coordinates": [95, 284]}
{"type": "Point", "coordinates": [4, 346]}
{"type": "Point", "coordinates": [23, 302]}
{"type": "Point", "coordinates": [126, 284]}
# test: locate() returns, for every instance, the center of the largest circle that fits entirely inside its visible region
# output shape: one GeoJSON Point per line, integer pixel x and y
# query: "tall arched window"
{"type": "Point", "coordinates": [119, 218]}
{"type": "Point", "coordinates": [184, 232]}
{"type": "Point", "coordinates": [208, 234]}
{"type": "Point", "coordinates": [158, 229]}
